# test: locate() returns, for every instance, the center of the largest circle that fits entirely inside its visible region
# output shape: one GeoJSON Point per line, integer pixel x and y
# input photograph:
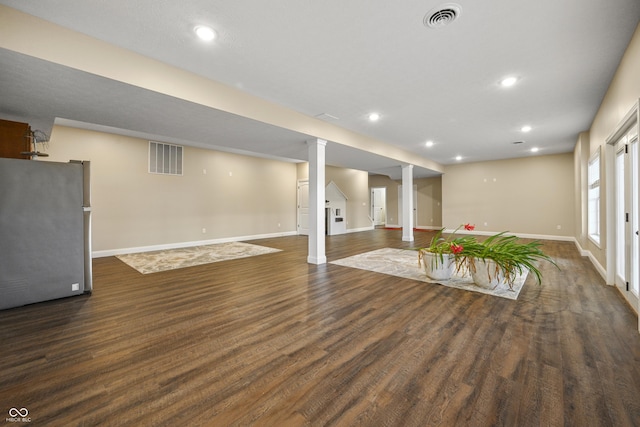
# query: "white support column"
{"type": "Point", "coordinates": [316, 202]}
{"type": "Point", "coordinates": [407, 203]}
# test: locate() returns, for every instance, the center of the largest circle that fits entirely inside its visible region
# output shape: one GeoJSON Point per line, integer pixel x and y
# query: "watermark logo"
{"type": "Point", "coordinates": [18, 416]}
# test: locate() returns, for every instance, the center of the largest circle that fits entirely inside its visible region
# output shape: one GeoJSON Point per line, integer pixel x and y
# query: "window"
{"type": "Point", "coordinates": [165, 158]}
{"type": "Point", "coordinates": [593, 213]}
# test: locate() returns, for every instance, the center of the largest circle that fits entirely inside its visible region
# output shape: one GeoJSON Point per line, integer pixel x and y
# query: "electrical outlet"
{"type": "Point", "coordinates": [204, 230]}
{"type": "Point", "coordinates": [75, 286]}
{"type": "Point", "coordinates": [559, 227]}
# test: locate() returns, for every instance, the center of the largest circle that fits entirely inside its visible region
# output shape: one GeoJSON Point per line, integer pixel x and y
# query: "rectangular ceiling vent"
{"type": "Point", "coordinates": [165, 158]}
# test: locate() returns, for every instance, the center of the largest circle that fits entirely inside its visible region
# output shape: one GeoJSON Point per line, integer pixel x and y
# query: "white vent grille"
{"type": "Point", "coordinates": [165, 158]}
{"type": "Point", "coordinates": [442, 16]}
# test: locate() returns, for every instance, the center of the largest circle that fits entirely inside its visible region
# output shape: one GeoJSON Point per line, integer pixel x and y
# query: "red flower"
{"type": "Point", "coordinates": [456, 249]}
{"type": "Point", "coordinates": [469, 227]}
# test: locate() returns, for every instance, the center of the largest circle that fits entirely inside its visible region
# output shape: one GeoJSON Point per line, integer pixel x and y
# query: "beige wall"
{"type": "Point", "coordinates": [238, 196]}
{"type": "Point", "coordinates": [354, 184]}
{"type": "Point", "coordinates": [429, 203]}
{"type": "Point", "coordinates": [623, 92]}
{"type": "Point", "coordinates": [532, 195]}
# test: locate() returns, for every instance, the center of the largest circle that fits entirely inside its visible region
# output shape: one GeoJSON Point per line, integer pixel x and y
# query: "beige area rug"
{"type": "Point", "coordinates": [404, 263]}
{"type": "Point", "coordinates": [155, 261]}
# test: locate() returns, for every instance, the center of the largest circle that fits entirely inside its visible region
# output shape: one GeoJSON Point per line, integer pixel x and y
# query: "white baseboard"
{"type": "Point", "coordinates": [418, 227]}
{"type": "Point", "coordinates": [599, 268]}
{"type": "Point", "coordinates": [122, 251]}
{"type": "Point", "coordinates": [356, 230]}
{"type": "Point", "coordinates": [520, 235]}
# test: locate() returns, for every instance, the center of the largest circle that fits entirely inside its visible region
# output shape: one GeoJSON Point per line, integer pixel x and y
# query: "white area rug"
{"type": "Point", "coordinates": [404, 263]}
{"type": "Point", "coordinates": [155, 261]}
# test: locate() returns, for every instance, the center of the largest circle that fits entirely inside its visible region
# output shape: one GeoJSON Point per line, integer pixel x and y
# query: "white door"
{"type": "Point", "coordinates": [378, 205]}
{"type": "Point", "coordinates": [627, 252]}
{"type": "Point", "coordinates": [415, 205]}
{"type": "Point", "coordinates": [303, 207]}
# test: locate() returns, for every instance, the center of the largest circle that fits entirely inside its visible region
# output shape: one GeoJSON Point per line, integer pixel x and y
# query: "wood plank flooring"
{"type": "Point", "coordinates": [274, 341]}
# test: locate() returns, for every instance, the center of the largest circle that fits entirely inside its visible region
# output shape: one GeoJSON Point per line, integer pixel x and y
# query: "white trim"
{"type": "Point", "coordinates": [599, 268]}
{"type": "Point", "coordinates": [600, 158]}
{"type": "Point", "coordinates": [583, 252]}
{"type": "Point", "coordinates": [334, 185]}
{"type": "Point", "coordinates": [595, 242]}
{"type": "Point", "coordinates": [134, 250]}
{"type": "Point", "coordinates": [299, 182]}
{"type": "Point", "coordinates": [624, 125]}
{"type": "Point", "coordinates": [357, 230]}
{"type": "Point", "coordinates": [420, 227]}
{"type": "Point", "coordinates": [520, 235]}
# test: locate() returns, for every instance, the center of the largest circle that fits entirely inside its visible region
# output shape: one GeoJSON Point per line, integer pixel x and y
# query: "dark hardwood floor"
{"type": "Point", "coordinates": [274, 341]}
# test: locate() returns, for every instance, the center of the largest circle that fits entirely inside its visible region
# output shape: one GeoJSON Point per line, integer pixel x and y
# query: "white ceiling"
{"type": "Point", "coordinates": [344, 59]}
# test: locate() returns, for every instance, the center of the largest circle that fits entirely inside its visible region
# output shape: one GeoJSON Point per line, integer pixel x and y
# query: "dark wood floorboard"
{"type": "Point", "coordinates": [274, 341]}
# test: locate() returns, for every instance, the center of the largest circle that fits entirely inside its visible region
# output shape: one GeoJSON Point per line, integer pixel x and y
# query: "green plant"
{"type": "Point", "coordinates": [510, 256]}
{"type": "Point", "coordinates": [450, 245]}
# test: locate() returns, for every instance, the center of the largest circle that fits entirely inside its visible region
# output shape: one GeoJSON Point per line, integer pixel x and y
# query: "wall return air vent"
{"type": "Point", "coordinates": [165, 159]}
{"type": "Point", "coordinates": [442, 15]}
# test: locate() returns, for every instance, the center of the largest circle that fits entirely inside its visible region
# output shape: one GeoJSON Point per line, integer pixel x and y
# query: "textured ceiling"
{"type": "Point", "coordinates": [347, 59]}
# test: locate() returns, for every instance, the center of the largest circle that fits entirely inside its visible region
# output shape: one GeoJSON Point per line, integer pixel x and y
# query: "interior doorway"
{"type": "Point", "coordinates": [303, 207]}
{"type": "Point", "coordinates": [379, 206]}
{"type": "Point", "coordinates": [626, 216]}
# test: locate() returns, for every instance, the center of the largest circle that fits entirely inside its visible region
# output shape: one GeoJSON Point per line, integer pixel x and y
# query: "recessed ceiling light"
{"type": "Point", "coordinates": [525, 129]}
{"type": "Point", "coordinates": [429, 143]}
{"type": "Point", "coordinates": [535, 149]}
{"type": "Point", "coordinates": [205, 33]}
{"type": "Point", "coordinates": [458, 158]}
{"type": "Point", "coordinates": [374, 117]}
{"type": "Point", "coordinates": [508, 81]}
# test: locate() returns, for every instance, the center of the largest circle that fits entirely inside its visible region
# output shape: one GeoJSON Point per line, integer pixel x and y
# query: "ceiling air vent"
{"type": "Point", "coordinates": [442, 15]}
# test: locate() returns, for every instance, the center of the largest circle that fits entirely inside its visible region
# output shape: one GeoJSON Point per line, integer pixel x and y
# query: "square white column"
{"type": "Point", "coordinates": [316, 202]}
{"type": "Point", "coordinates": [407, 203]}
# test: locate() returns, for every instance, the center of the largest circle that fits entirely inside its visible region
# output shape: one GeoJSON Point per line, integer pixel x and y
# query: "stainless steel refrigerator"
{"type": "Point", "coordinates": [45, 231]}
